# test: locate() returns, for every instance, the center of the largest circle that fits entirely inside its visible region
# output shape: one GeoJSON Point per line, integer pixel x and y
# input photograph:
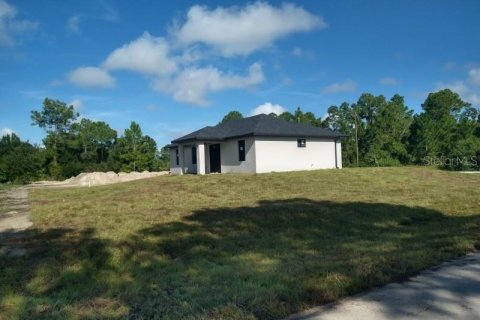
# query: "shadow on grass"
{"type": "Point", "coordinates": [261, 262]}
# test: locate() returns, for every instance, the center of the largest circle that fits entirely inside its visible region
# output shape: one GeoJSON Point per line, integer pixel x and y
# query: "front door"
{"type": "Point", "coordinates": [215, 164]}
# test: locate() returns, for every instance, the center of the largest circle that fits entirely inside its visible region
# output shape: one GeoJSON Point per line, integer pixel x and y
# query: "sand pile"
{"type": "Point", "coordinates": [102, 178]}
{"type": "Point", "coordinates": [91, 179]}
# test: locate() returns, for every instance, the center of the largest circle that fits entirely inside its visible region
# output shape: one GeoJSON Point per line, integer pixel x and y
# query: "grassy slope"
{"type": "Point", "coordinates": [235, 246]}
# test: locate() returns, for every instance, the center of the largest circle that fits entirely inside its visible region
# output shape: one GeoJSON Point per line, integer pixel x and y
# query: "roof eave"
{"type": "Point", "coordinates": [177, 141]}
{"type": "Point", "coordinates": [292, 135]}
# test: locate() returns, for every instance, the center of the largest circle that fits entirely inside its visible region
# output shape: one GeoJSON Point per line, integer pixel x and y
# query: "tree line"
{"type": "Point", "coordinates": [378, 132]}
{"type": "Point", "coordinates": [381, 132]}
{"type": "Point", "coordinates": [73, 145]}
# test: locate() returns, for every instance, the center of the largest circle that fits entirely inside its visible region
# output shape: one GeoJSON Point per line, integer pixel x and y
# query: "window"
{"type": "Point", "coordinates": [241, 150]}
{"type": "Point", "coordinates": [194, 155]}
{"type": "Point", "coordinates": [301, 143]}
{"type": "Point", "coordinates": [176, 155]}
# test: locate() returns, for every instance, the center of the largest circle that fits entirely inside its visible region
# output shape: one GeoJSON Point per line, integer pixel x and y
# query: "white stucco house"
{"type": "Point", "coordinates": [256, 144]}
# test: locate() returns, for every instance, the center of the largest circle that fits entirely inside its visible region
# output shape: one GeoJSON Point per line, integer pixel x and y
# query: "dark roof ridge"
{"type": "Point", "coordinates": [258, 125]}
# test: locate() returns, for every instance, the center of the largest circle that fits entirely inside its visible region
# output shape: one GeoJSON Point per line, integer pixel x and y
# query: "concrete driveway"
{"type": "Point", "coordinates": [449, 291]}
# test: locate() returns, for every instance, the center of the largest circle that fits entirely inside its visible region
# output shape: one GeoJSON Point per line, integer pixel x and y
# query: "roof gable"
{"type": "Point", "coordinates": [260, 125]}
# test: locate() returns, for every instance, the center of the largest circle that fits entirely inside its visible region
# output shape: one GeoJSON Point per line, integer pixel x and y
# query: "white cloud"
{"type": "Point", "coordinates": [147, 55]}
{"type": "Point", "coordinates": [193, 84]}
{"type": "Point", "coordinates": [467, 89]}
{"type": "Point", "coordinates": [474, 77]}
{"type": "Point", "coordinates": [6, 132]}
{"type": "Point", "coordinates": [111, 14]}
{"type": "Point", "coordinates": [73, 24]}
{"type": "Point", "coordinates": [77, 104]}
{"type": "Point", "coordinates": [389, 81]}
{"type": "Point", "coordinates": [300, 53]}
{"type": "Point", "coordinates": [268, 108]}
{"type": "Point", "coordinates": [190, 55]}
{"type": "Point", "coordinates": [242, 30]}
{"type": "Point", "coordinates": [457, 86]}
{"type": "Point", "coordinates": [91, 77]}
{"type": "Point", "coordinates": [345, 86]}
{"type": "Point", "coordinates": [474, 99]}
{"type": "Point", "coordinates": [172, 63]}
{"type": "Point", "coordinates": [7, 10]}
{"type": "Point", "coordinates": [9, 25]}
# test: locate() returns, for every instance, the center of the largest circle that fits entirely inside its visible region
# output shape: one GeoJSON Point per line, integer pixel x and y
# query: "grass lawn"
{"type": "Point", "coordinates": [235, 246]}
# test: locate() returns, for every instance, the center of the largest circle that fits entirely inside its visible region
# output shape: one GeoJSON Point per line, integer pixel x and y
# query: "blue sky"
{"type": "Point", "coordinates": [178, 66]}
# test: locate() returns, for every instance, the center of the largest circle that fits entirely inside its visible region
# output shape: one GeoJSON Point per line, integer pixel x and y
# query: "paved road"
{"type": "Point", "coordinates": [450, 291]}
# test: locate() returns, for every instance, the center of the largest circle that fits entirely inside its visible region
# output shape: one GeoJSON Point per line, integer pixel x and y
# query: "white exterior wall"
{"type": "Point", "coordinates": [264, 155]}
{"type": "Point", "coordinates": [201, 158]}
{"type": "Point", "coordinates": [283, 154]}
{"type": "Point", "coordinates": [229, 156]}
{"type": "Point", "coordinates": [207, 158]}
{"type": "Point", "coordinates": [339, 155]}
{"type": "Point", "coordinates": [188, 166]}
{"type": "Point", "coordinates": [174, 168]}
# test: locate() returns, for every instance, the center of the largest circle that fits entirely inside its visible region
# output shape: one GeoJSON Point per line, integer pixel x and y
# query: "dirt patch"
{"type": "Point", "coordinates": [100, 178]}
{"type": "Point", "coordinates": [14, 221]}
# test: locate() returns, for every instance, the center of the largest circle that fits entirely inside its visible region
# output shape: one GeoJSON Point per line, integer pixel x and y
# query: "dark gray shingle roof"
{"type": "Point", "coordinates": [260, 125]}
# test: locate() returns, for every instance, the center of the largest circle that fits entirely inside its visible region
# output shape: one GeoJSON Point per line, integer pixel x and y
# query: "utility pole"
{"type": "Point", "coordinates": [134, 155]}
{"type": "Point", "coordinates": [356, 133]}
